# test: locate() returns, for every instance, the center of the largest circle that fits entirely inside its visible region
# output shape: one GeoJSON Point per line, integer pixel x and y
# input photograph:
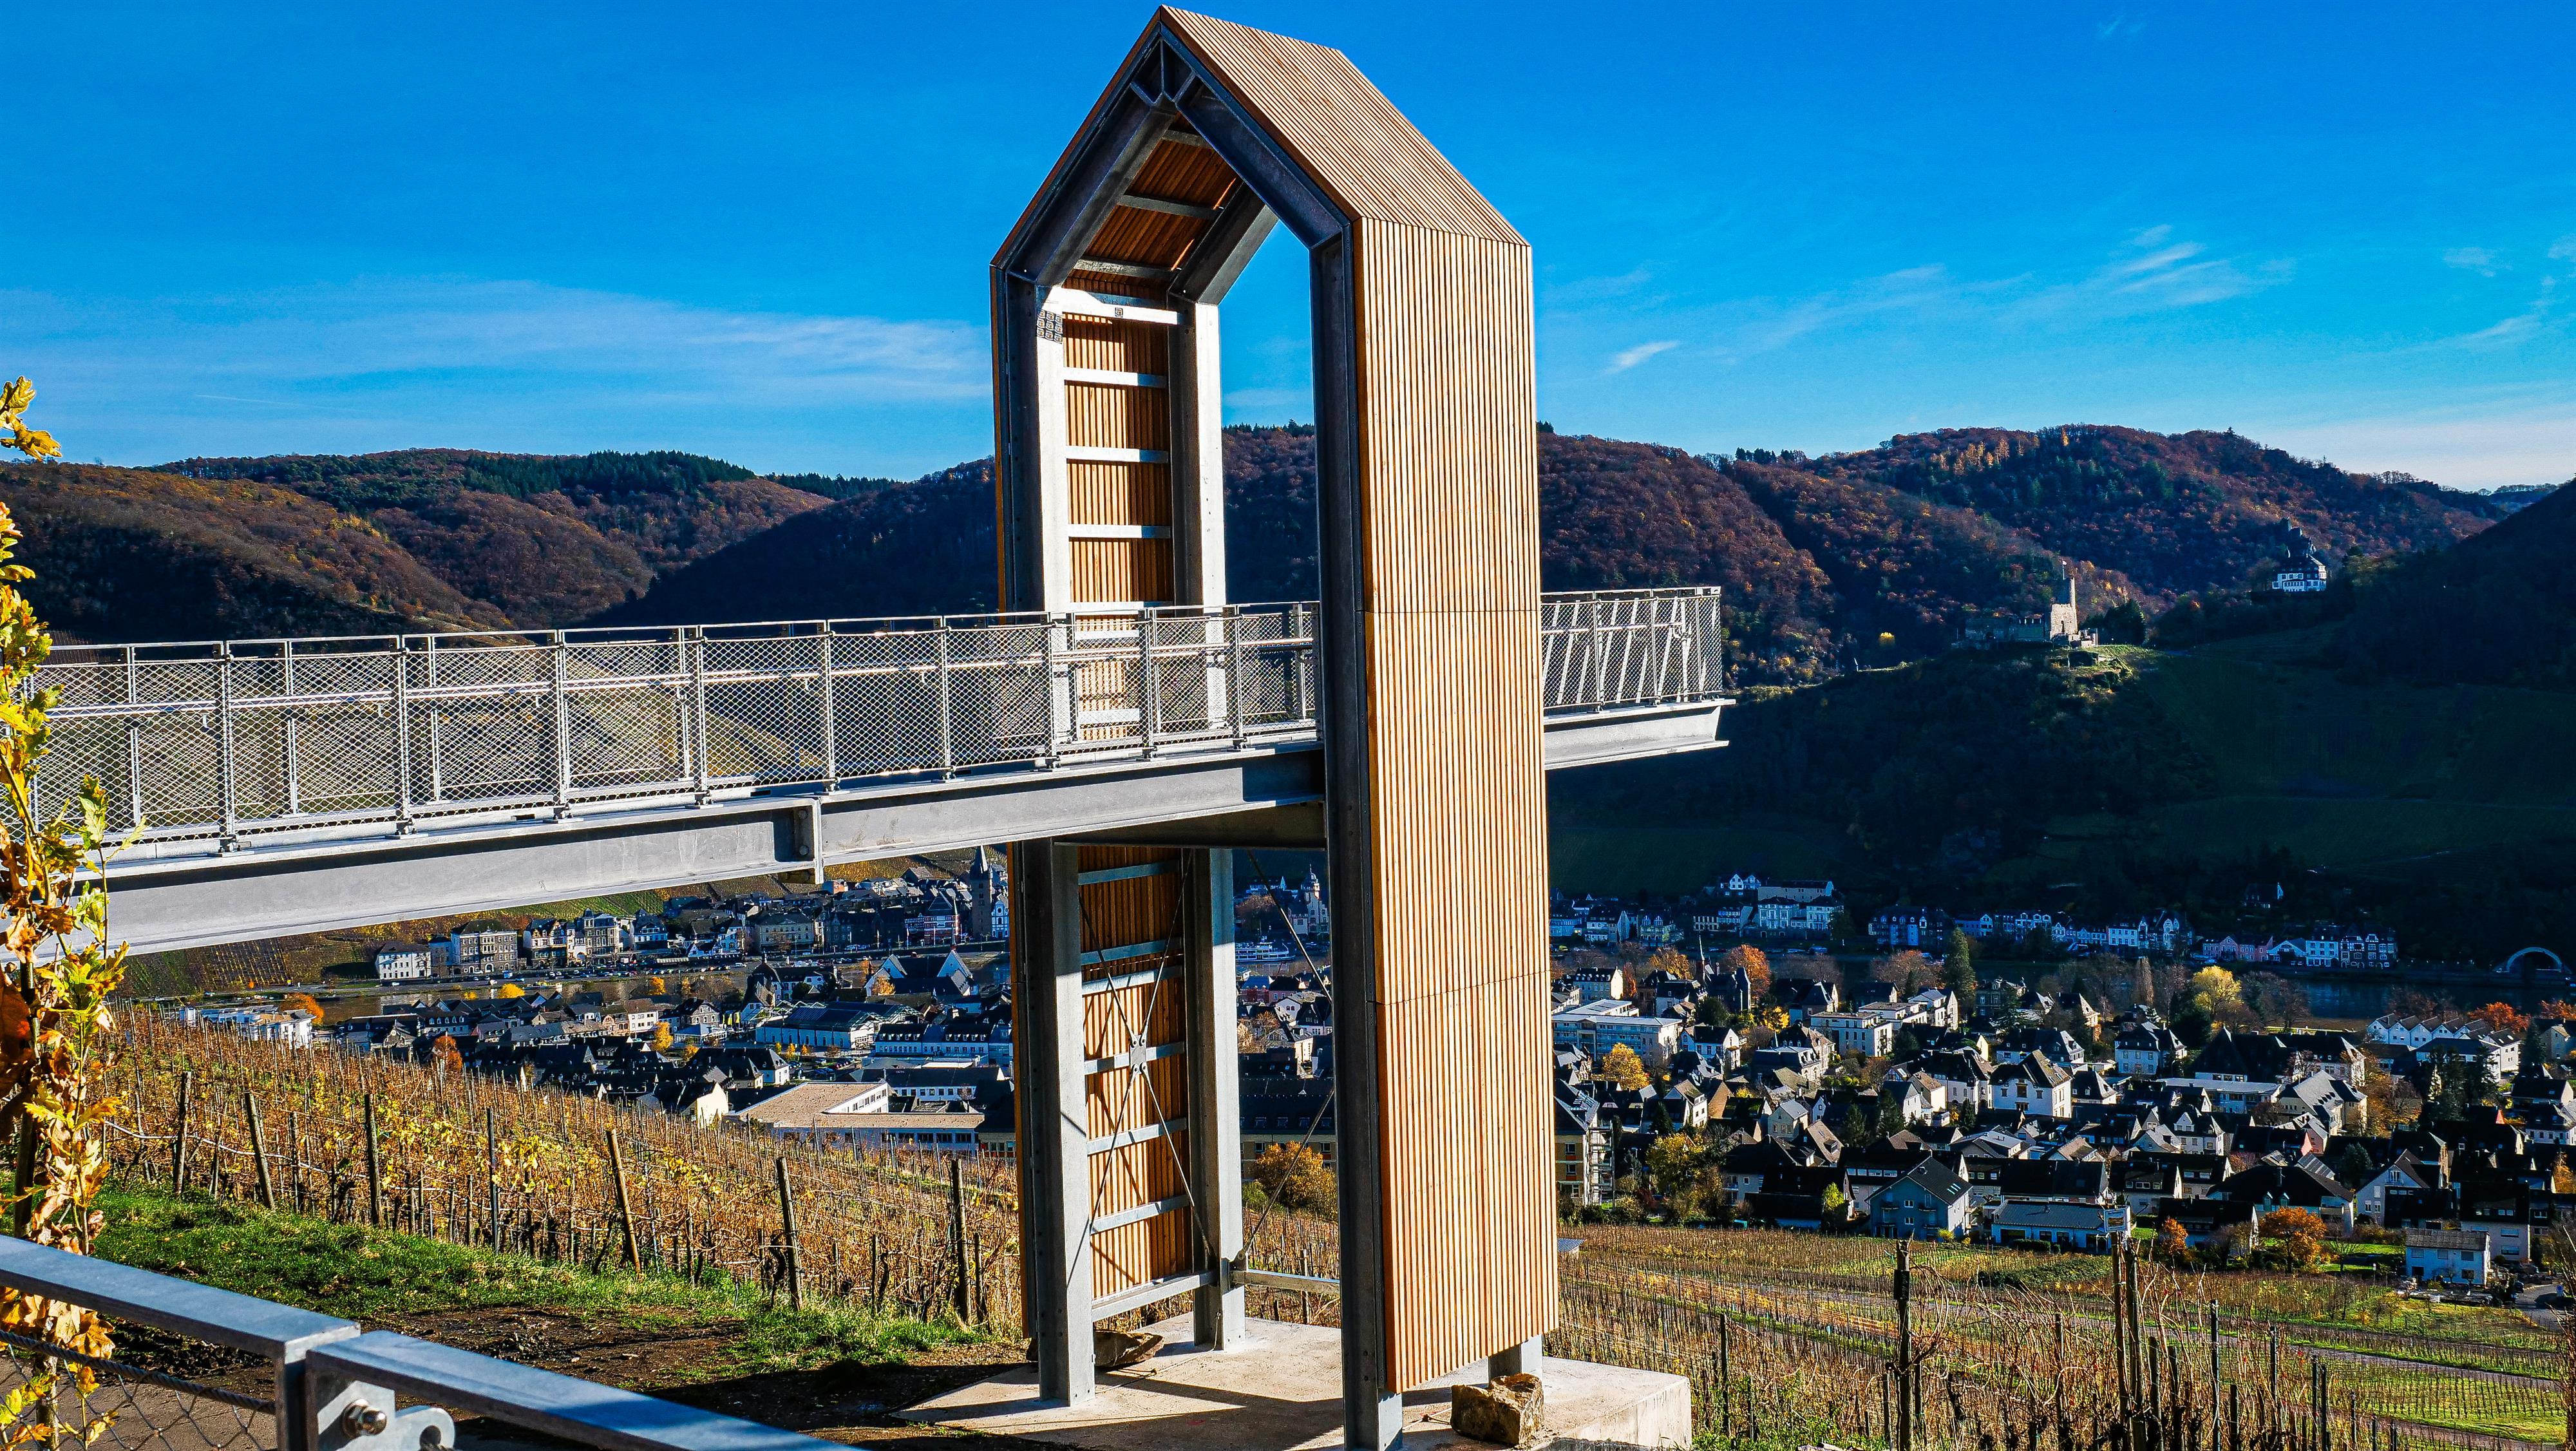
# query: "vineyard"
{"type": "Point", "coordinates": [1785, 1341]}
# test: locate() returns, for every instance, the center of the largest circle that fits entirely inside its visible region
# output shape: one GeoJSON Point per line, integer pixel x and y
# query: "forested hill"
{"type": "Point", "coordinates": [2499, 609]}
{"type": "Point", "coordinates": [1864, 557]}
{"type": "Point", "coordinates": [2173, 512]}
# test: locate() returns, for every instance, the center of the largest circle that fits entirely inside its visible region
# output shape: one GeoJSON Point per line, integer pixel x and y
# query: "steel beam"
{"type": "Point", "coordinates": [289, 882]}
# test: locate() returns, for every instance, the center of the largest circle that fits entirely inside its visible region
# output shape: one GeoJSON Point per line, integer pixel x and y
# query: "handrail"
{"type": "Point", "coordinates": [223, 741]}
{"type": "Point", "coordinates": [334, 1385]}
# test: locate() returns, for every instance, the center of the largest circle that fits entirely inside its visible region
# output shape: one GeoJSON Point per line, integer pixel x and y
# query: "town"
{"type": "Point", "coordinates": [1718, 1060]}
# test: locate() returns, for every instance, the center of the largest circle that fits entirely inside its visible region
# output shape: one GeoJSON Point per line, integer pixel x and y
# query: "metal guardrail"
{"type": "Point", "coordinates": [330, 1386]}
{"type": "Point", "coordinates": [376, 735]}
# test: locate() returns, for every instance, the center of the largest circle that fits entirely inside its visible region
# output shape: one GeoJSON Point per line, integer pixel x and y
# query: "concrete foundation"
{"type": "Point", "coordinates": [1283, 1392]}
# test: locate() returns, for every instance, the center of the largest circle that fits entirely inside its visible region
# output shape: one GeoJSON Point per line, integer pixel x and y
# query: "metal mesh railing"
{"type": "Point", "coordinates": [372, 735]}
{"type": "Point", "coordinates": [89, 1401]}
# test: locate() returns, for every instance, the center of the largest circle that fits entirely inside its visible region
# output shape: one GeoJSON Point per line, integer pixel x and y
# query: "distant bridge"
{"type": "Point", "coordinates": [301, 785]}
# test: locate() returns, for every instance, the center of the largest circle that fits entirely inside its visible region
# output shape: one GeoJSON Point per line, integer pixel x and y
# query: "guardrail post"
{"type": "Point", "coordinates": [133, 739]}
{"type": "Point", "coordinates": [947, 709]}
{"type": "Point", "coordinates": [224, 741]}
{"type": "Point", "coordinates": [293, 769]}
{"type": "Point", "coordinates": [1598, 656]}
{"type": "Point", "coordinates": [1301, 658]}
{"type": "Point", "coordinates": [563, 729]}
{"type": "Point", "coordinates": [831, 742]}
{"type": "Point", "coordinates": [1232, 623]}
{"type": "Point", "coordinates": [1059, 705]}
{"type": "Point", "coordinates": [1149, 688]}
{"type": "Point", "coordinates": [402, 734]}
{"type": "Point", "coordinates": [693, 642]}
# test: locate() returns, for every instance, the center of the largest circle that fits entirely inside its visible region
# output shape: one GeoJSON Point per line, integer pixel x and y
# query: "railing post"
{"type": "Point", "coordinates": [402, 735]}
{"type": "Point", "coordinates": [1599, 656]}
{"type": "Point", "coordinates": [563, 730]}
{"type": "Point", "coordinates": [947, 719]}
{"type": "Point", "coordinates": [286, 687]}
{"type": "Point", "coordinates": [693, 640]}
{"type": "Point", "coordinates": [1055, 732]}
{"type": "Point", "coordinates": [224, 741]}
{"type": "Point", "coordinates": [133, 738]}
{"type": "Point", "coordinates": [1232, 623]}
{"type": "Point", "coordinates": [437, 723]}
{"type": "Point", "coordinates": [1303, 661]}
{"type": "Point", "coordinates": [831, 742]}
{"type": "Point", "coordinates": [1149, 686]}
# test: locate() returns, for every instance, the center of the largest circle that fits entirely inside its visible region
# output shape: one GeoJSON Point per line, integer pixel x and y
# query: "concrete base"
{"type": "Point", "coordinates": [1283, 1392]}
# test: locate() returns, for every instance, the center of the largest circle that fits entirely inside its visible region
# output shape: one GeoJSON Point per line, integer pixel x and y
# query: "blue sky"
{"type": "Point", "coordinates": [760, 231]}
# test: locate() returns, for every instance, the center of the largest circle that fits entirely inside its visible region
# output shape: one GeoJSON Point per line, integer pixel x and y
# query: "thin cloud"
{"type": "Point", "coordinates": [2472, 259]}
{"type": "Point", "coordinates": [361, 336]}
{"type": "Point", "coordinates": [2519, 326]}
{"type": "Point", "coordinates": [2525, 441]}
{"type": "Point", "coordinates": [1631, 357]}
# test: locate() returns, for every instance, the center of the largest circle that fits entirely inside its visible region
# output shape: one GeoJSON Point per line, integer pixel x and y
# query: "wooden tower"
{"type": "Point", "coordinates": [1109, 477]}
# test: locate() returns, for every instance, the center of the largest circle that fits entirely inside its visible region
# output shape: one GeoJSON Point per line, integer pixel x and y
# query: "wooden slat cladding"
{"type": "Point", "coordinates": [1122, 571]}
{"type": "Point", "coordinates": [1346, 135]}
{"type": "Point", "coordinates": [1111, 1020]}
{"type": "Point", "coordinates": [1186, 173]}
{"type": "Point", "coordinates": [1446, 398]}
{"type": "Point", "coordinates": [1124, 1100]}
{"type": "Point", "coordinates": [1105, 415]}
{"type": "Point", "coordinates": [1117, 913]}
{"type": "Point", "coordinates": [1120, 493]}
{"type": "Point", "coordinates": [1449, 570]}
{"type": "Point", "coordinates": [1468, 1194]}
{"type": "Point", "coordinates": [1455, 755]}
{"type": "Point", "coordinates": [1117, 347]}
{"type": "Point", "coordinates": [1136, 1254]}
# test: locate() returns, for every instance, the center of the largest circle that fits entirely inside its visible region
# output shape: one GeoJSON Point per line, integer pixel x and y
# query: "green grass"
{"type": "Point", "coordinates": [373, 1275]}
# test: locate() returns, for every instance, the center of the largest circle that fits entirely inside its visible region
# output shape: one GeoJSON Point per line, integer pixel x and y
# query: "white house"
{"type": "Point", "coordinates": [2034, 1086]}
{"type": "Point", "coordinates": [405, 961]}
{"type": "Point", "coordinates": [1866, 1033]}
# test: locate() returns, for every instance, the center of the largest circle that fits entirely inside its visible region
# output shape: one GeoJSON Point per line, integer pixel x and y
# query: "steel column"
{"type": "Point", "coordinates": [1216, 1119]}
{"type": "Point", "coordinates": [1054, 1135]}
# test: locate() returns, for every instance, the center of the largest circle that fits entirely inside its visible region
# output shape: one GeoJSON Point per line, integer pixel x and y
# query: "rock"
{"type": "Point", "coordinates": [1512, 1411]}
{"type": "Point", "coordinates": [1119, 1349]}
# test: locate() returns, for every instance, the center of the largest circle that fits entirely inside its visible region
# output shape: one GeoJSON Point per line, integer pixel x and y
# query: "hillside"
{"type": "Point", "coordinates": [127, 554]}
{"type": "Point", "coordinates": [1823, 559]}
{"type": "Point", "coordinates": [545, 541]}
{"type": "Point", "coordinates": [2132, 780]}
{"type": "Point", "coordinates": [2173, 512]}
{"type": "Point", "coordinates": [2499, 609]}
{"type": "Point", "coordinates": [921, 548]}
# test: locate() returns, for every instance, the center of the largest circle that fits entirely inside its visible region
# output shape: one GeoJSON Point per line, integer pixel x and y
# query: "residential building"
{"type": "Point", "coordinates": [1929, 1202]}
{"type": "Point", "coordinates": [2094, 1228]}
{"type": "Point", "coordinates": [1597, 1027]}
{"type": "Point", "coordinates": [407, 961]}
{"type": "Point", "coordinates": [2448, 1256]}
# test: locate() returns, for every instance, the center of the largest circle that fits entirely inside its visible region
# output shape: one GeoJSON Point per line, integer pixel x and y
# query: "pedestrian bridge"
{"type": "Point", "coordinates": [279, 786]}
